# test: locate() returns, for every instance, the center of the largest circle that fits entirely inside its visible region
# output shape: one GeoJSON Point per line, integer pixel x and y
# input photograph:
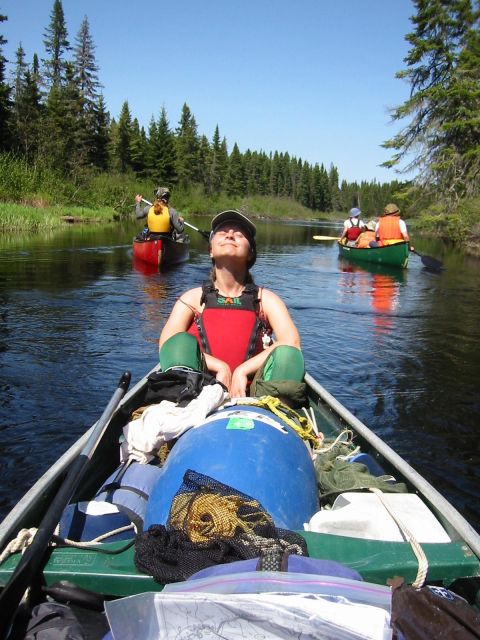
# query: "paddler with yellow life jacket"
{"type": "Point", "coordinates": [161, 219]}
{"type": "Point", "coordinates": [229, 326]}
{"type": "Point", "coordinates": [390, 228]}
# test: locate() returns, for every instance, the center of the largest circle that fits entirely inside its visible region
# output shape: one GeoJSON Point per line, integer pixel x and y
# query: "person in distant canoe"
{"type": "Point", "coordinates": [367, 236]}
{"type": "Point", "coordinates": [390, 228]}
{"type": "Point", "coordinates": [161, 219]}
{"type": "Point", "coordinates": [352, 228]}
{"type": "Point", "coordinates": [225, 326]}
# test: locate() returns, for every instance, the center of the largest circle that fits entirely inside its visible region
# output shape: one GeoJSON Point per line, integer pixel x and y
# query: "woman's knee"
{"type": "Point", "coordinates": [180, 350]}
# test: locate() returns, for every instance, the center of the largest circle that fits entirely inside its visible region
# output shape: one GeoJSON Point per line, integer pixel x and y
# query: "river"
{"type": "Point", "coordinates": [399, 349]}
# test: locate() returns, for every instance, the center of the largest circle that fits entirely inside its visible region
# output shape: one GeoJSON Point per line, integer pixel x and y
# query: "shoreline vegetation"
{"type": "Point", "coordinates": [37, 212]}
{"type": "Point", "coordinates": [34, 198]}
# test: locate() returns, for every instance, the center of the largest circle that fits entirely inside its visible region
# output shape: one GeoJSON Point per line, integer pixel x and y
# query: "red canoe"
{"type": "Point", "coordinates": [163, 251]}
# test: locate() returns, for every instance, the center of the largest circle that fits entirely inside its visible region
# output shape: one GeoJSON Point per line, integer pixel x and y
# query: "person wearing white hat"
{"type": "Point", "coordinates": [226, 325]}
{"type": "Point", "coordinates": [352, 228]}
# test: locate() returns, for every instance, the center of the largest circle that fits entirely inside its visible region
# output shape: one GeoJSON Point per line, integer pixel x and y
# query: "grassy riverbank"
{"type": "Point", "coordinates": [34, 198]}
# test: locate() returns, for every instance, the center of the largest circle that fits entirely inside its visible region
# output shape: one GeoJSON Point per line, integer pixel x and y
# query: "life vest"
{"type": "Point", "coordinates": [354, 230]}
{"type": "Point", "coordinates": [159, 222]}
{"type": "Point", "coordinates": [231, 329]}
{"type": "Point", "coordinates": [365, 238]}
{"type": "Point", "coordinates": [389, 228]}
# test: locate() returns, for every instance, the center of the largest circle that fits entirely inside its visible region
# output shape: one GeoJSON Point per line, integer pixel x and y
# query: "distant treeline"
{"type": "Point", "coordinates": [53, 116]}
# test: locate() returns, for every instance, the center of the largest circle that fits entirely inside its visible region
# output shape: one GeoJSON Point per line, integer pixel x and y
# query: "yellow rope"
{"type": "Point", "coordinates": [302, 425]}
{"type": "Point", "coordinates": [203, 516]}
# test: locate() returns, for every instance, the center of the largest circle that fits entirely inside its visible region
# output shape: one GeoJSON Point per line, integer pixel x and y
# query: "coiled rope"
{"type": "Point", "coordinates": [203, 516]}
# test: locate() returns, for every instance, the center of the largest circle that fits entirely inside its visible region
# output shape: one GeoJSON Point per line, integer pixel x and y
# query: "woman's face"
{"type": "Point", "coordinates": [229, 239]}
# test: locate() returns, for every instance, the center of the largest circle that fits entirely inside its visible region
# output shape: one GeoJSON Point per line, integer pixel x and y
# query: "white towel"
{"type": "Point", "coordinates": [165, 421]}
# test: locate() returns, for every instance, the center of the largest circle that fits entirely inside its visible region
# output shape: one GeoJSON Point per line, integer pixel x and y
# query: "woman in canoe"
{"type": "Point", "coordinates": [225, 326]}
{"type": "Point", "coordinates": [161, 219]}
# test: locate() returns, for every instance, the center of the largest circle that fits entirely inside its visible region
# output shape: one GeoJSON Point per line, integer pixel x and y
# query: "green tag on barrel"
{"type": "Point", "coordinates": [243, 424]}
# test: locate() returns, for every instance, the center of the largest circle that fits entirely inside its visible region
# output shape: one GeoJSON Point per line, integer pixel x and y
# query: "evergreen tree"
{"type": "Point", "coordinates": [124, 136]}
{"type": "Point", "coordinates": [204, 161]}
{"type": "Point", "coordinates": [99, 135]}
{"type": "Point", "coordinates": [86, 69]}
{"type": "Point", "coordinates": [20, 69]}
{"type": "Point", "coordinates": [5, 101]}
{"type": "Point", "coordinates": [137, 148]}
{"type": "Point", "coordinates": [235, 178]}
{"type": "Point", "coordinates": [304, 195]}
{"type": "Point", "coordinates": [186, 161]}
{"type": "Point", "coordinates": [161, 151]}
{"type": "Point", "coordinates": [219, 163]}
{"type": "Point", "coordinates": [442, 69]}
{"type": "Point", "coordinates": [56, 44]}
{"type": "Point", "coordinates": [335, 203]}
{"type": "Point", "coordinates": [27, 108]}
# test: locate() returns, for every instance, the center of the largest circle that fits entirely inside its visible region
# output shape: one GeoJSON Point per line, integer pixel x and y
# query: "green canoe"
{"type": "Point", "coordinates": [449, 546]}
{"type": "Point", "coordinates": [395, 255]}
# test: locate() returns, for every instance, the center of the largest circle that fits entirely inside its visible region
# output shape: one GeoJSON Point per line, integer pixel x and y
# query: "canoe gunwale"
{"type": "Point", "coordinates": [9, 526]}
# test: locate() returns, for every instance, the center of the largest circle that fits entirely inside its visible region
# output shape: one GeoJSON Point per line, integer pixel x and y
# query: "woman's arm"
{"type": "Point", "coordinates": [182, 314]}
{"type": "Point", "coordinates": [177, 220]}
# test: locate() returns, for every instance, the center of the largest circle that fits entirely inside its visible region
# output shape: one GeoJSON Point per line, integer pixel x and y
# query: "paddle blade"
{"type": "Point", "coordinates": [429, 263]}
{"type": "Point", "coordinates": [325, 238]}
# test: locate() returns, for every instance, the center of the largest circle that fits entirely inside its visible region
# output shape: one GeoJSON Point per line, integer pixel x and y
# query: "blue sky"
{"type": "Point", "coordinates": [315, 78]}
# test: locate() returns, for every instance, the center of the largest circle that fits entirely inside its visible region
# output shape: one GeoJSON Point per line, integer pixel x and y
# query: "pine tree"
{"type": "Point", "coordinates": [27, 108]}
{"type": "Point", "coordinates": [124, 136]}
{"type": "Point", "coordinates": [204, 161]}
{"type": "Point", "coordinates": [437, 142]}
{"type": "Point", "coordinates": [161, 151]}
{"type": "Point", "coordinates": [235, 179]}
{"type": "Point", "coordinates": [56, 44]}
{"type": "Point", "coordinates": [186, 162]}
{"type": "Point", "coordinates": [99, 135]}
{"type": "Point", "coordinates": [334, 189]}
{"type": "Point", "coordinates": [5, 100]}
{"type": "Point", "coordinates": [86, 68]}
{"type": "Point", "coordinates": [138, 148]}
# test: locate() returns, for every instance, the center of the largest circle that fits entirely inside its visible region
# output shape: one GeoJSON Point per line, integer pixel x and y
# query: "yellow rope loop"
{"type": "Point", "coordinates": [302, 425]}
{"type": "Point", "coordinates": [205, 516]}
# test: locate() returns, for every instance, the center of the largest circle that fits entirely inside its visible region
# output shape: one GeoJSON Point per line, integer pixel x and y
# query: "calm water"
{"type": "Point", "coordinates": [400, 350]}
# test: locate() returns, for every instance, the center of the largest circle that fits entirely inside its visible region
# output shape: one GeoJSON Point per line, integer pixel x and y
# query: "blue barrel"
{"type": "Point", "coordinates": [251, 450]}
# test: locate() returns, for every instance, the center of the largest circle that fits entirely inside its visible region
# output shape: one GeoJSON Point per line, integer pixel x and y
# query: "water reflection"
{"type": "Point", "coordinates": [378, 282]}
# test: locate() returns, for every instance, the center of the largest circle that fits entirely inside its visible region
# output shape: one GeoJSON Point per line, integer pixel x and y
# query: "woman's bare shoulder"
{"type": "Point", "coordinates": [192, 296]}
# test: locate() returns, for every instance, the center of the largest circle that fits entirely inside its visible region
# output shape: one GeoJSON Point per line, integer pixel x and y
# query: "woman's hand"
{"type": "Point", "coordinates": [219, 369]}
{"type": "Point", "coordinates": [238, 388]}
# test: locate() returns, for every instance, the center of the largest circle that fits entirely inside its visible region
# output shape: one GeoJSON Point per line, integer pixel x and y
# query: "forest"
{"type": "Point", "coordinates": [59, 145]}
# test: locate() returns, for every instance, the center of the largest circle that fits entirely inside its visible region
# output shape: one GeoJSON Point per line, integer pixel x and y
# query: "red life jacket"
{"type": "Point", "coordinates": [231, 329]}
{"type": "Point", "coordinates": [355, 230]}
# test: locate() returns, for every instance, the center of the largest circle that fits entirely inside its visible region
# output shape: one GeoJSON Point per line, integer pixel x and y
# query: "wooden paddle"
{"type": "Point", "coordinates": [325, 238]}
{"type": "Point", "coordinates": [430, 263]}
{"type": "Point", "coordinates": [205, 234]}
{"type": "Point", "coordinates": [32, 560]}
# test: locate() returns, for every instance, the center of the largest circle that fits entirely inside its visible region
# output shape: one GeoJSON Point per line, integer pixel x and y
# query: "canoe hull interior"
{"type": "Point", "coordinates": [115, 575]}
